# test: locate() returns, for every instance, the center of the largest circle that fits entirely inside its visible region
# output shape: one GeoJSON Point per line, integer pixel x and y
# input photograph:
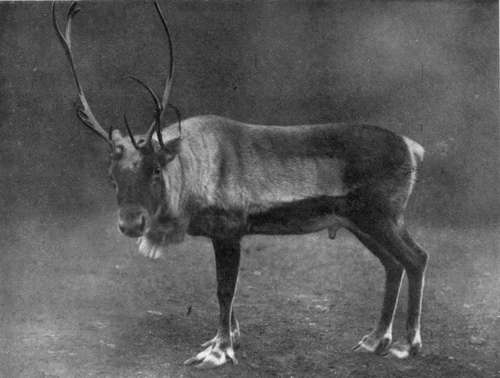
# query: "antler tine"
{"type": "Point", "coordinates": [72, 10]}
{"type": "Point", "coordinates": [158, 112]}
{"type": "Point", "coordinates": [156, 100]}
{"type": "Point", "coordinates": [129, 131]}
{"type": "Point", "coordinates": [84, 112]}
{"type": "Point", "coordinates": [168, 81]}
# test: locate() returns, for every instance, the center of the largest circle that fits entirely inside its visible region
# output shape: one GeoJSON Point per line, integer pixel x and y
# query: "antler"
{"type": "Point", "coordinates": [168, 81]}
{"type": "Point", "coordinates": [161, 106]}
{"type": "Point", "coordinates": [129, 131]}
{"type": "Point", "coordinates": [158, 113]}
{"type": "Point", "coordinates": [83, 112]}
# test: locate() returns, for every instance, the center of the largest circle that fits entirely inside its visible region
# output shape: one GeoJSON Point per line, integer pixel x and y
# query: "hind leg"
{"type": "Point", "coordinates": [380, 338]}
{"type": "Point", "coordinates": [396, 240]}
{"type": "Point", "coordinates": [415, 293]}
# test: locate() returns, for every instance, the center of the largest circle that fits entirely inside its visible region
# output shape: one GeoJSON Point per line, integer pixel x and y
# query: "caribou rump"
{"type": "Point", "coordinates": [224, 179]}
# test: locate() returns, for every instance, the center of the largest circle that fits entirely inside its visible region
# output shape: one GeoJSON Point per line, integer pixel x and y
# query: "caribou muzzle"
{"type": "Point", "coordinates": [132, 221]}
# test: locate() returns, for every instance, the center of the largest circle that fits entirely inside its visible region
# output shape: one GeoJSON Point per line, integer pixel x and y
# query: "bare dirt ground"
{"type": "Point", "coordinates": [78, 301]}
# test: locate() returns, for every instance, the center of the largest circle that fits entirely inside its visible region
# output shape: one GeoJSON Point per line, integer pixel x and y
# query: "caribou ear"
{"type": "Point", "coordinates": [170, 150]}
{"type": "Point", "coordinates": [173, 146]}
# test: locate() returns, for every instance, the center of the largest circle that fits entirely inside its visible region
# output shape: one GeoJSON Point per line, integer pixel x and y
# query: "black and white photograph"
{"type": "Point", "coordinates": [249, 188]}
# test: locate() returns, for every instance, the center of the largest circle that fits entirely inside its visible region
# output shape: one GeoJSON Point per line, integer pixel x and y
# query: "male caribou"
{"type": "Point", "coordinates": [224, 179]}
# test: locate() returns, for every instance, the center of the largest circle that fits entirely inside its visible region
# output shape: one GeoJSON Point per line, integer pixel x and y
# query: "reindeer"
{"type": "Point", "coordinates": [224, 179]}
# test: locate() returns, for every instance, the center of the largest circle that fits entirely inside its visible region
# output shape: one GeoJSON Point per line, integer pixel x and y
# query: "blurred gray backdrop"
{"type": "Point", "coordinates": [428, 70]}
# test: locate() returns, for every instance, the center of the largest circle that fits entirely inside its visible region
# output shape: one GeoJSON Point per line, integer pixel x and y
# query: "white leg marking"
{"type": "Point", "coordinates": [400, 350]}
{"type": "Point", "coordinates": [213, 356]}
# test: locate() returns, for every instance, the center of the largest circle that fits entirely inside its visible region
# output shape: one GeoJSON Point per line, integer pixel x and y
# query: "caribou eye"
{"type": "Point", "coordinates": [117, 153]}
{"type": "Point", "coordinates": [157, 171]}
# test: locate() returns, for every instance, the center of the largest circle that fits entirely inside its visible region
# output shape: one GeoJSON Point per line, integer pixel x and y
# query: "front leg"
{"type": "Point", "coordinates": [220, 349]}
{"type": "Point", "coordinates": [235, 333]}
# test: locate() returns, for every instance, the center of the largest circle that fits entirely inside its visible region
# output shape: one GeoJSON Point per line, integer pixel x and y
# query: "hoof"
{"type": "Point", "coordinates": [404, 350]}
{"type": "Point", "coordinates": [415, 350]}
{"type": "Point", "coordinates": [213, 356]}
{"type": "Point", "coordinates": [374, 344]}
{"type": "Point", "coordinates": [399, 350]}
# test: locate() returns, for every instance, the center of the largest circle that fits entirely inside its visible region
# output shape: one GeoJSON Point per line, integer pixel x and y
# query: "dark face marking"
{"type": "Point", "coordinates": [137, 175]}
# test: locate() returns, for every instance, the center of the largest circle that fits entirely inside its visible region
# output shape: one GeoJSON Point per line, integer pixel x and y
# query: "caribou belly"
{"type": "Point", "coordinates": [299, 217]}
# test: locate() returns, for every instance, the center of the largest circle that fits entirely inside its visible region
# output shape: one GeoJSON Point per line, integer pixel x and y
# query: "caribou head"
{"type": "Point", "coordinates": [138, 162]}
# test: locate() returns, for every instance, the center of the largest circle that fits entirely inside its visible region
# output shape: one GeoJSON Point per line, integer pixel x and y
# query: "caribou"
{"type": "Point", "coordinates": [223, 179]}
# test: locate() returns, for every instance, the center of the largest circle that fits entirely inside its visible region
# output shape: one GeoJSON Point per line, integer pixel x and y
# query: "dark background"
{"type": "Point", "coordinates": [428, 70]}
{"type": "Point", "coordinates": [77, 300]}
